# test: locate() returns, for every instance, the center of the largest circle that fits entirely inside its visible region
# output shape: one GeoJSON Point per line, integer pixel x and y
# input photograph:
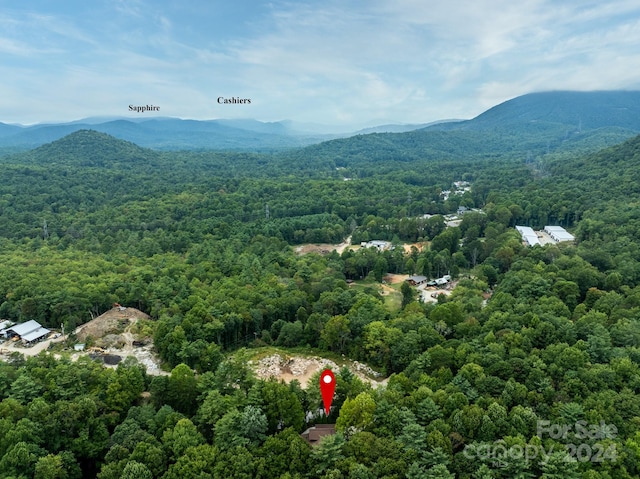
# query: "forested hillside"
{"type": "Point", "coordinates": [580, 109]}
{"type": "Point", "coordinates": [531, 340]}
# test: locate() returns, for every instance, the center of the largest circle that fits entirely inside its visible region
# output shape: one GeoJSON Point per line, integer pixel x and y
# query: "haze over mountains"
{"type": "Point", "coordinates": [170, 133]}
{"type": "Point", "coordinates": [526, 127]}
{"type": "Point", "coordinates": [547, 118]}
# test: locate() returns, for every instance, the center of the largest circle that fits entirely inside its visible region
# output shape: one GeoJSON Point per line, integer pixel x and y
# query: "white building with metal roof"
{"type": "Point", "coordinates": [36, 335]}
{"type": "Point", "coordinates": [29, 332]}
{"type": "Point", "coordinates": [379, 244]}
{"type": "Point", "coordinates": [528, 235]}
{"type": "Point", "coordinates": [558, 234]}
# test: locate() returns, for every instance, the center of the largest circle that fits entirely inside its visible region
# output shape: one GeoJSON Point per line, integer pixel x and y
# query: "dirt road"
{"type": "Point", "coordinates": [9, 347]}
{"type": "Point", "coordinates": [344, 245]}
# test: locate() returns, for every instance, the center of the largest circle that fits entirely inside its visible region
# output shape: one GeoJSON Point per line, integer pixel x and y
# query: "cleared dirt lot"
{"type": "Point", "coordinates": [429, 294]}
{"type": "Point", "coordinates": [419, 246]}
{"type": "Point", "coordinates": [324, 248]}
{"type": "Point", "coordinates": [395, 278]}
{"type": "Point", "coordinates": [9, 347]}
{"type": "Point", "coordinates": [115, 321]}
{"type": "Point", "coordinates": [112, 331]}
{"type": "Point", "coordinates": [288, 367]}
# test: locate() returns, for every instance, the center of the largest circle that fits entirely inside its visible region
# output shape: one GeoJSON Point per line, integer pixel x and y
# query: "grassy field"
{"type": "Point", "coordinates": [391, 294]}
{"type": "Point", "coordinates": [393, 300]}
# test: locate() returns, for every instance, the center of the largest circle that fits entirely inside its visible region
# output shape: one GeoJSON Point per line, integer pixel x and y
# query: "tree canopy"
{"type": "Point", "coordinates": [206, 244]}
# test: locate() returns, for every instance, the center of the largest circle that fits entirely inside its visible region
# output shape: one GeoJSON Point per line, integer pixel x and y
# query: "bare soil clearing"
{"type": "Point", "coordinates": [386, 290]}
{"type": "Point", "coordinates": [323, 248]}
{"type": "Point", "coordinates": [113, 322]}
{"type": "Point", "coordinates": [419, 246]}
{"type": "Point", "coordinates": [289, 367]}
{"type": "Point", "coordinates": [396, 278]}
{"type": "Point", "coordinates": [112, 332]}
{"type": "Point", "coordinates": [429, 294]}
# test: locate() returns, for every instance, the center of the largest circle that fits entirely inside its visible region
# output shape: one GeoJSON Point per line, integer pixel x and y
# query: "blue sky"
{"type": "Point", "coordinates": [335, 62]}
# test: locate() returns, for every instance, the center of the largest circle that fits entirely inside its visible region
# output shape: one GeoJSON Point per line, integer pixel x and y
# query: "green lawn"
{"type": "Point", "coordinates": [393, 300]}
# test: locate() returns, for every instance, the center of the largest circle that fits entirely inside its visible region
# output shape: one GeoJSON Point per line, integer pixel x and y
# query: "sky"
{"type": "Point", "coordinates": [331, 62]}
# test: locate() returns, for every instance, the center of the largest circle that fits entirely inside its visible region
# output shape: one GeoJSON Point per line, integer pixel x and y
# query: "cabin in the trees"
{"type": "Point", "coordinates": [317, 432]}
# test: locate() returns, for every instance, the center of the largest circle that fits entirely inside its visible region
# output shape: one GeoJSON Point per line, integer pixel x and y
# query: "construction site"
{"type": "Point", "coordinates": [109, 338]}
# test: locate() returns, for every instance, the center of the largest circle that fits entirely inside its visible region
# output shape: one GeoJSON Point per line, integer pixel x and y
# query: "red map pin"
{"type": "Point", "coordinates": [327, 387]}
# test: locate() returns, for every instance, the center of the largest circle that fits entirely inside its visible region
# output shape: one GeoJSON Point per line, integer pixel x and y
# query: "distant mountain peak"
{"type": "Point", "coordinates": [584, 109]}
{"type": "Point", "coordinates": [89, 148]}
{"type": "Point", "coordinates": [573, 110]}
{"type": "Point", "coordinates": [85, 140]}
{"type": "Point", "coordinates": [86, 134]}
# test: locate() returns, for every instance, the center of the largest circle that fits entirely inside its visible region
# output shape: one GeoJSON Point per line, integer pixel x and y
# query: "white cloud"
{"type": "Point", "coordinates": [330, 61]}
{"type": "Point", "coordinates": [131, 8]}
{"type": "Point", "coordinates": [18, 48]}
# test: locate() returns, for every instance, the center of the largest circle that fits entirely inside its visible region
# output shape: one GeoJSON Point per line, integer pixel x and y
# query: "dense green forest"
{"type": "Point", "coordinates": [204, 243]}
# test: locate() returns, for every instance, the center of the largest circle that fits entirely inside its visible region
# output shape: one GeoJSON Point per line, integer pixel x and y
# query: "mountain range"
{"type": "Point", "coordinates": [526, 127]}
{"type": "Point", "coordinates": [540, 120]}
{"type": "Point", "coordinates": [169, 134]}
